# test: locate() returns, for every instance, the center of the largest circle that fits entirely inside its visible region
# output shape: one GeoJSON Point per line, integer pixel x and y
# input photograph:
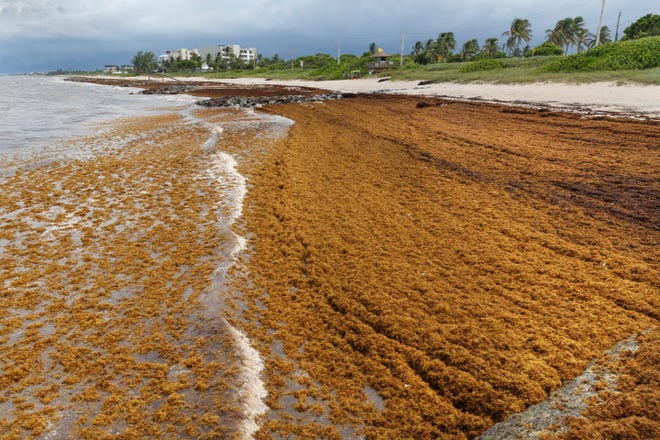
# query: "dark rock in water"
{"type": "Point", "coordinates": [258, 101]}
{"type": "Point", "coordinates": [423, 83]}
{"type": "Point", "coordinates": [174, 89]}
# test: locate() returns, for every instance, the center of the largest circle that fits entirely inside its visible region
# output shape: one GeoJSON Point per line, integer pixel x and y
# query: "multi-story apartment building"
{"type": "Point", "coordinates": [246, 54]}
{"type": "Point", "coordinates": [183, 54]}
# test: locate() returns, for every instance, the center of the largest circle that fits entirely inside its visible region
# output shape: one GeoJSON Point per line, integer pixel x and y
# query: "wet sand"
{"type": "Point", "coordinates": [411, 271]}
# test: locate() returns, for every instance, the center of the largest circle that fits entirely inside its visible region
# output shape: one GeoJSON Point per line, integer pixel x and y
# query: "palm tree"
{"type": "Point", "coordinates": [470, 49]}
{"type": "Point", "coordinates": [445, 44]}
{"type": "Point", "coordinates": [605, 37]}
{"type": "Point", "coordinates": [418, 48]}
{"type": "Point", "coordinates": [520, 30]}
{"type": "Point", "coordinates": [490, 48]}
{"type": "Point", "coordinates": [580, 32]}
{"type": "Point", "coordinates": [372, 48]}
{"type": "Point", "coordinates": [568, 32]}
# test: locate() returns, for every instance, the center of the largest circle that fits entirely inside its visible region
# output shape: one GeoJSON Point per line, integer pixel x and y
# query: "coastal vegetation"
{"type": "Point", "coordinates": [632, 59]}
{"type": "Point", "coordinates": [625, 55]}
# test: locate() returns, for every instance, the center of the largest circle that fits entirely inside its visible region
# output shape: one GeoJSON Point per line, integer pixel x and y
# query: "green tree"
{"type": "Point", "coordinates": [469, 50]}
{"type": "Point", "coordinates": [197, 59]}
{"type": "Point", "coordinates": [445, 45]}
{"type": "Point", "coordinates": [217, 62]}
{"type": "Point", "coordinates": [580, 33]}
{"type": "Point", "coordinates": [605, 37]}
{"type": "Point", "coordinates": [372, 48]}
{"type": "Point", "coordinates": [144, 62]}
{"type": "Point", "coordinates": [566, 33]}
{"type": "Point", "coordinates": [646, 26]}
{"type": "Point", "coordinates": [520, 30]}
{"type": "Point", "coordinates": [186, 64]}
{"type": "Point", "coordinates": [425, 53]}
{"type": "Point", "coordinates": [490, 48]}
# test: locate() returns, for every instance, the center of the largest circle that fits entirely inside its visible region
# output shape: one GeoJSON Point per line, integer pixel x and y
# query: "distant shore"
{"type": "Point", "coordinates": [607, 98]}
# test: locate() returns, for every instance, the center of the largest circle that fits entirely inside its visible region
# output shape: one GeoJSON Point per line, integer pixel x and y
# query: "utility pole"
{"type": "Point", "coordinates": [339, 50]}
{"type": "Point", "coordinates": [600, 23]}
{"type": "Point", "coordinates": [616, 34]}
{"type": "Point", "coordinates": [292, 53]}
{"type": "Point", "coordinates": [402, 38]}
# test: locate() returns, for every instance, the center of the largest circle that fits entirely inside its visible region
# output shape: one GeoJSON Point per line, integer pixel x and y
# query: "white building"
{"type": "Point", "coordinates": [171, 55]}
{"type": "Point", "coordinates": [246, 54]}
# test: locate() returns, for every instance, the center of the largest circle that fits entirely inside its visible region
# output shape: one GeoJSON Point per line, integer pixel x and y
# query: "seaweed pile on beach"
{"type": "Point", "coordinates": [427, 272]}
{"type": "Point", "coordinates": [410, 271]}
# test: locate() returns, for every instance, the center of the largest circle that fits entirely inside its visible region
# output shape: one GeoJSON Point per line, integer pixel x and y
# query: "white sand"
{"type": "Point", "coordinates": [601, 96]}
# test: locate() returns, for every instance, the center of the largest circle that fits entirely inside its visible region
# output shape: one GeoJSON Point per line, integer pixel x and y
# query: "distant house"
{"type": "Point", "coordinates": [380, 63]}
{"type": "Point", "coordinates": [111, 69]}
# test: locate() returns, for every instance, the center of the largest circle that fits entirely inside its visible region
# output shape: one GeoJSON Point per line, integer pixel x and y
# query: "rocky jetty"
{"type": "Point", "coordinates": [258, 101]}
{"type": "Point", "coordinates": [173, 89]}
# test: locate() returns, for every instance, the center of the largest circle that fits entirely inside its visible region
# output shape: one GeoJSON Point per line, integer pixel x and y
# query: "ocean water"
{"type": "Point", "coordinates": [38, 110]}
{"type": "Point", "coordinates": [119, 218]}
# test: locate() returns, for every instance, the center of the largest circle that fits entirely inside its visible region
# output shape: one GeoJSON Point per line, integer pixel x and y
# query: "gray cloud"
{"type": "Point", "coordinates": [47, 34]}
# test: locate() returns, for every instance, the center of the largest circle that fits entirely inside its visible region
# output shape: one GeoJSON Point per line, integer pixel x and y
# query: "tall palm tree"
{"type": "Point", "coordinates": [568, 32]}
{"type": "Point", "coordinates": [580, 33]}
{"type": "Point", "coordinates": [372, 48]}
{"type": "Point", "coordinates": [445, 44]}
{"type": "Point", "coordinates": [490, 47]}
{"type": "Point", "coordinates": [520, 30]}
{"type": "Point", "coordinates": [470, 49]}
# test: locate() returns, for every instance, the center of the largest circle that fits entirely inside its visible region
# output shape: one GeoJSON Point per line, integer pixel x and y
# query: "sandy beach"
{"type": "Point", "coordinates": [400, 267]}
{"type": "Point", "coordinates": [598, 97]}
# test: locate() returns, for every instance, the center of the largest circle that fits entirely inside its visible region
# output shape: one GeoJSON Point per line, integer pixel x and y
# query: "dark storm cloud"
{"type": "Point", "coordinates": [49, 34]}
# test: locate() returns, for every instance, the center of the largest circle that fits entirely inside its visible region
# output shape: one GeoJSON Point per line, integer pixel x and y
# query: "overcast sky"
{"type": "Point", "coordinates": [42, 35]}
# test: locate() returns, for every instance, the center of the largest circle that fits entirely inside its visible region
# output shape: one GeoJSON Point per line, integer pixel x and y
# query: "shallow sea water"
{"type": "Point", "coordinates": [117, 235]}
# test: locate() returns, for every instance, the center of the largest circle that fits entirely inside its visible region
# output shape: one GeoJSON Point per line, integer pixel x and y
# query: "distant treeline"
{"type": "Point", "coordinates": [567, 34]}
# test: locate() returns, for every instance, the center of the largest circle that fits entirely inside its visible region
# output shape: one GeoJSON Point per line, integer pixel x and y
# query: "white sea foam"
{"type": "Point", "coordinates": [252, 390]}
{"type": "Point", "coordinates": [225, 166]}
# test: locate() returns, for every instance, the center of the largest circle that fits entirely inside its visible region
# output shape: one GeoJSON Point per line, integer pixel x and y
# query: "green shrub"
{"type": "Point", "coordinates": [481, 65]}
{"type": "Point", "coordinates": [643, 53]}
{"type": "Point", "coordinates": [548, 49]}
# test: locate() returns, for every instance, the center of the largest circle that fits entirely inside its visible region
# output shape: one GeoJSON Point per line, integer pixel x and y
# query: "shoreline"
{"type": "Point", "coordinates": [598, 98]}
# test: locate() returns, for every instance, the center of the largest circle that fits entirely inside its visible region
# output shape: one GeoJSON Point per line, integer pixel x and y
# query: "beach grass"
{"type": "Point", "coordinates": [515, 71]}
